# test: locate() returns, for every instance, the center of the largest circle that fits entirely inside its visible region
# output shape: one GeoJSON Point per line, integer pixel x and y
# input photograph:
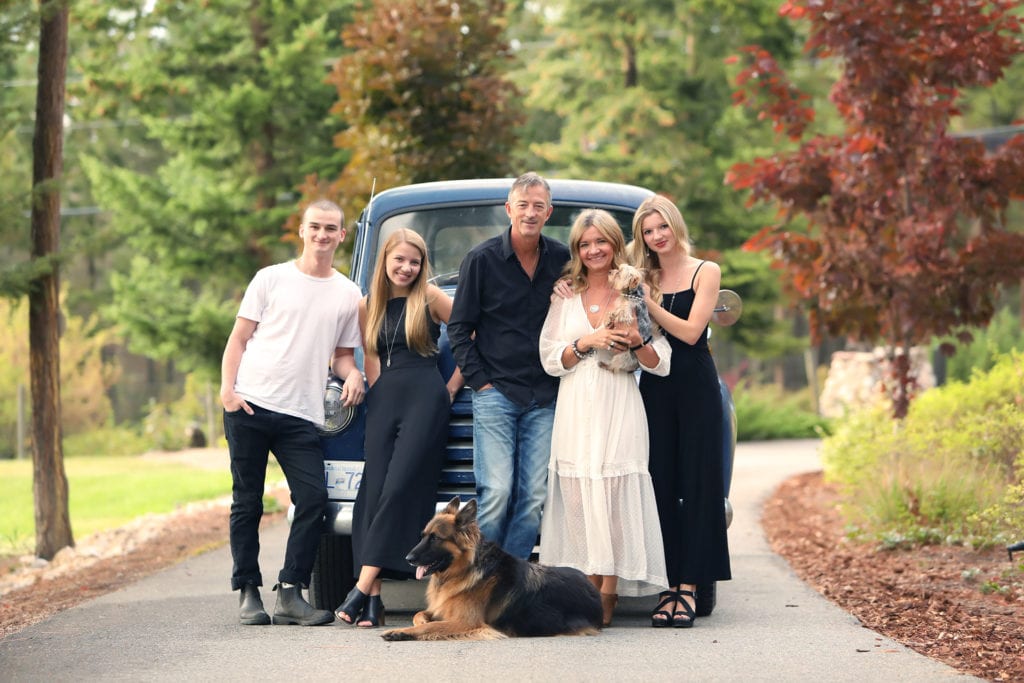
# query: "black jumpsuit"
{"type": "Point", "coordinates": [685, 422]}
{"type": "Point", "coordinates": [407, 412]}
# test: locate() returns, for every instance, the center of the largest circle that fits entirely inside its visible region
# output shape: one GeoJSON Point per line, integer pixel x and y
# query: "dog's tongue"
{"type": "Point", "coordinates": [421, 571]}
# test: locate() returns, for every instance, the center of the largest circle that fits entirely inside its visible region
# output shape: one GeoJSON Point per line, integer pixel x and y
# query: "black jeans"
{"type": "Point", "coordinates": [296, 446]}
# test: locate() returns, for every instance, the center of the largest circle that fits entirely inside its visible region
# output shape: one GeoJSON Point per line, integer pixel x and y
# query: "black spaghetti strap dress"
{"type": "Point", "coordinates": [685, 422]}
{"type": "Point", "coordinates": [407, 412]}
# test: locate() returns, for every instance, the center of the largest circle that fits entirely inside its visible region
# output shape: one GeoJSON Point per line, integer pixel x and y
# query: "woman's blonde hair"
{"type": "Point", "coordinates": [642, 257]}
{"type": "Point", "coordinates": [417, 335]}
{"type": "Point", "coordinates": [609, 229]}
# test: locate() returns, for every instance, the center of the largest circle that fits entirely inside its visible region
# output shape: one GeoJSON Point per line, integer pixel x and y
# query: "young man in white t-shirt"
{"type": "Point", "coordinates": [296, 319]}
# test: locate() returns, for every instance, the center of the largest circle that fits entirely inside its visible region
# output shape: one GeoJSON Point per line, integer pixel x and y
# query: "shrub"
{"type": "Point", "coordinates": [950, 471]}
{"type": "Point", "coordinates": [764, 413]}
{"type": "Point", "coordinates": [1003, 334]}
{"type": "Point", "coordinates": [169, 427]}
{"type": "Point", "coordinates": [85, 375]}
{"type": "Point", "coordinates": [121, 440]}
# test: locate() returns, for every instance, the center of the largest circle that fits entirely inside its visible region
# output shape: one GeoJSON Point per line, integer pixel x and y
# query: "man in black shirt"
{"type": "Point", "coordinates": [504, 293]}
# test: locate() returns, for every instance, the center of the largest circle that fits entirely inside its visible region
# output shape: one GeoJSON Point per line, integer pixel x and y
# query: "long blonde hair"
{"type": "Point", "coordinates": [609, 229]}
{"type": "Point", "coordinates": [642, 257]}
{"type": "Point", "coordinates": [417, 335]}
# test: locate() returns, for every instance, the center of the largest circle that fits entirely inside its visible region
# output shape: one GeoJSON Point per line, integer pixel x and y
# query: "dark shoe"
{"type": "Point", "coordinates": [372, 613]}
{"type": "Point", "coordinates": [250, 607]}
{"type": "Point", "coordinates": [292, 609]}
{"type": "Point", "coordinates": [662, 616]}
{"type": "Point", "coordinates": [608, 602]}
{"type": "Point", "coordinates": [684, 616]}
{"type": "Point", "coordinates": [352, 607]}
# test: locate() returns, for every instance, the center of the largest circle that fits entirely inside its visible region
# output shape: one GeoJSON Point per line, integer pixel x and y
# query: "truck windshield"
{"type": "Point", "coordinates": [450, 232]}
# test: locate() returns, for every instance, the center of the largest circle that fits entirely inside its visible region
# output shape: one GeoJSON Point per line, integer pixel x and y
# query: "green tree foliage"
{"type": "Point", "coordinates": [642, 95]}
{"type": "Point", "coordinates": [1001, 104]}
{"type": "Point", "coordinates": [233, 101]}
{"type": "Point", "coordinates": [19, 28]}
{"type": "Point", "coordinates": [906, 231]}
{"type": "Point", "coordinates": [87, 245]}
{"type": "Point", "coordinates": [423, 95]}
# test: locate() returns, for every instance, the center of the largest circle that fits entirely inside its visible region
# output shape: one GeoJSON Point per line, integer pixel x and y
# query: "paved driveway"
{"type": "Point", "coordinates": [180, 625]}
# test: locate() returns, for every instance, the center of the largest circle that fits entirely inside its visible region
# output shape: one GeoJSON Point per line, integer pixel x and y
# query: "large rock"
{"type": "Point", "coordinates": [857, 379]}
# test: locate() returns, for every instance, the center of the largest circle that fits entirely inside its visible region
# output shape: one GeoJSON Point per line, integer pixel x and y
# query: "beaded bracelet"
{"type": "Point", "coordinates": [580, 355]}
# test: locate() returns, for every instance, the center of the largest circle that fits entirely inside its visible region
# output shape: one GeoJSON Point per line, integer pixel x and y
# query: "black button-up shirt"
{"type": "Point", "coordinates": [506, 309]}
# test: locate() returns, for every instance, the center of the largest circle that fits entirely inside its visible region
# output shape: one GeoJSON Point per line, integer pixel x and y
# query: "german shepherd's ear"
{"type": "Point", "coordinates": [453, 506]}
{"type": "Point", "coordinates": [467, 515]}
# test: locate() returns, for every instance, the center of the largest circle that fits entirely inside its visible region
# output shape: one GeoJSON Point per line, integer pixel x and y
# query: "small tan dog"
{"type": "Point", "coordinates": [628, 306]}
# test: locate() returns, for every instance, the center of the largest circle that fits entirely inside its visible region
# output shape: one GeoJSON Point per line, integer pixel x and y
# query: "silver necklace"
{"type": "Point", "coordinates": [394, 335]}
{"type": "Point", "coordinates": [594, 308]}
{"type": "Point", "coordinates": [673, 299]}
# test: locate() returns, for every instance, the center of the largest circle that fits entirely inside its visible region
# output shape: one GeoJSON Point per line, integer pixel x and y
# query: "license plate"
{"type": "Point", "coordinates": [343, 478]}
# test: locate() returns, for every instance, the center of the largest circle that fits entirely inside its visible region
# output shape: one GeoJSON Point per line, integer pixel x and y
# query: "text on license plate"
{"type": "Point", "coordinates": [342, 478]}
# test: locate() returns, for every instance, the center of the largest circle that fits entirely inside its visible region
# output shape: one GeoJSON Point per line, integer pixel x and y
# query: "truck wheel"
{"type": "Point", "coordinates": [332, 572]}
{"type": "Point", "coordinates": [706, 599]}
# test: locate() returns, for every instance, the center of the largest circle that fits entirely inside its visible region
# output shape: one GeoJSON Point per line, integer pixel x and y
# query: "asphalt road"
{"type": "Point", "coordinates": [180, 625]}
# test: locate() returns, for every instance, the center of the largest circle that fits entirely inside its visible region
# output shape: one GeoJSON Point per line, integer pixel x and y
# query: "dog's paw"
{"type": "Point", "coordinates": [396, 635]}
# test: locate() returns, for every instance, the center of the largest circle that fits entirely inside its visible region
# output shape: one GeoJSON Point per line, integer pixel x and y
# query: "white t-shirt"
{"type": "Point", "coordinates": [300, 320]}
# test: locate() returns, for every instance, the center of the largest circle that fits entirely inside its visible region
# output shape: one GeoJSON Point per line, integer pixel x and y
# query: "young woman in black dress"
{"type": "Point", "coordinates": [406, 420]}
{"type": "Point", "coordinates": [684, 411]}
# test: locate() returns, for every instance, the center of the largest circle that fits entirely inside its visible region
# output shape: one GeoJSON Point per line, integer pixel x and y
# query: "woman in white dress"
{"type": "Point", "coordinates": [600, 515]}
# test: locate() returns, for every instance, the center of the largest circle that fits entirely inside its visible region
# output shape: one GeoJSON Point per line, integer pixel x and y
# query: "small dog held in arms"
{"type": "Point", "coordinates": [629, 306]}
{"type": "Point", "coordinates": [477, 591]}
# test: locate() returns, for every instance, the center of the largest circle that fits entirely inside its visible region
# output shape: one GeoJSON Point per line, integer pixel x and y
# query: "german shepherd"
{"type": "Point", "coordinates": [477, 591]}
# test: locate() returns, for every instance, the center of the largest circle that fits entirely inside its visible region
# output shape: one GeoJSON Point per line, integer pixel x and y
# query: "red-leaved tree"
{"type": "Point", "coordinates": [905, 231]}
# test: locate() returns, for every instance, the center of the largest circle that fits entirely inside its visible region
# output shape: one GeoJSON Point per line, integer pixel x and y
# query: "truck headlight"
{"type": "Point", "coordinates": [336, 416]}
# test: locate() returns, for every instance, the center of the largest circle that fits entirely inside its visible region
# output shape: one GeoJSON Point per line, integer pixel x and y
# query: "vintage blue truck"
{"type": "Point", "coordinates": [452, 217]}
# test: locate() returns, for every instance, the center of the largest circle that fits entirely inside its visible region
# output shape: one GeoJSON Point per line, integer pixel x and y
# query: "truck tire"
{"type": "Point", "coordinates": [706, 598]}
{"type": "Point", "coordinates": [332, 577]}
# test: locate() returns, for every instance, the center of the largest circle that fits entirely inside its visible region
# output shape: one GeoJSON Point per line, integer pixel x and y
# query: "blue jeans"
{"type": "Point", "coordinates": [512, 447]}
{"type": "Point", "coordinates": [296, 446]}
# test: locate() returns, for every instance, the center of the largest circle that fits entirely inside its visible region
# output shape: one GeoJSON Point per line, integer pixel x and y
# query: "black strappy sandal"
{"type": "Point", "coordinates": [352, 606]}
{"type": "Point", "coordinates": [684, 618]}
{"type": "Point", "coordinates": [657, 620]}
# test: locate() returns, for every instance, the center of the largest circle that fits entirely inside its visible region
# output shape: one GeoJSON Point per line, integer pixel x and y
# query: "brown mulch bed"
{"type": "Point", "coordinates": [956, 605]}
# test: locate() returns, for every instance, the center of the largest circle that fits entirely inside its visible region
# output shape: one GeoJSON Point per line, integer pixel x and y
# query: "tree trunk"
{"type": "Point", "coordinates": [630, 73]}
{"type": "Point", "coordinates": [49, 482]}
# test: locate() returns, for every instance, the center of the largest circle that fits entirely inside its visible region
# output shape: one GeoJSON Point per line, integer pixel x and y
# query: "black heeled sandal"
{"type": "Point", "coordinates": [373, 613]}
{"type": "Point", "coordinates": [353, 605]}
{"type": "Point", "coordinates": [684, 618]}
{"type": "Point", "coordinates": [657, 620]}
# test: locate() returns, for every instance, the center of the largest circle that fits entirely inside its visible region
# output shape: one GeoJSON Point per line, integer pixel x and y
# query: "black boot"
{"type": "Point", "coordinates": [292, 608]}
{"type": "Point", "coordinates": [250, 607]}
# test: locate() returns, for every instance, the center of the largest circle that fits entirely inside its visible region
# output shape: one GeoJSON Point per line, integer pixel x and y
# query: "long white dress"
{"type": "Point", "coordinates": [600, 514]}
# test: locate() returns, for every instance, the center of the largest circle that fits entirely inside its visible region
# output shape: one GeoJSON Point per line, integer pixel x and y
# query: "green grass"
{"type": "Point", "coordinates": [107, 492]}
